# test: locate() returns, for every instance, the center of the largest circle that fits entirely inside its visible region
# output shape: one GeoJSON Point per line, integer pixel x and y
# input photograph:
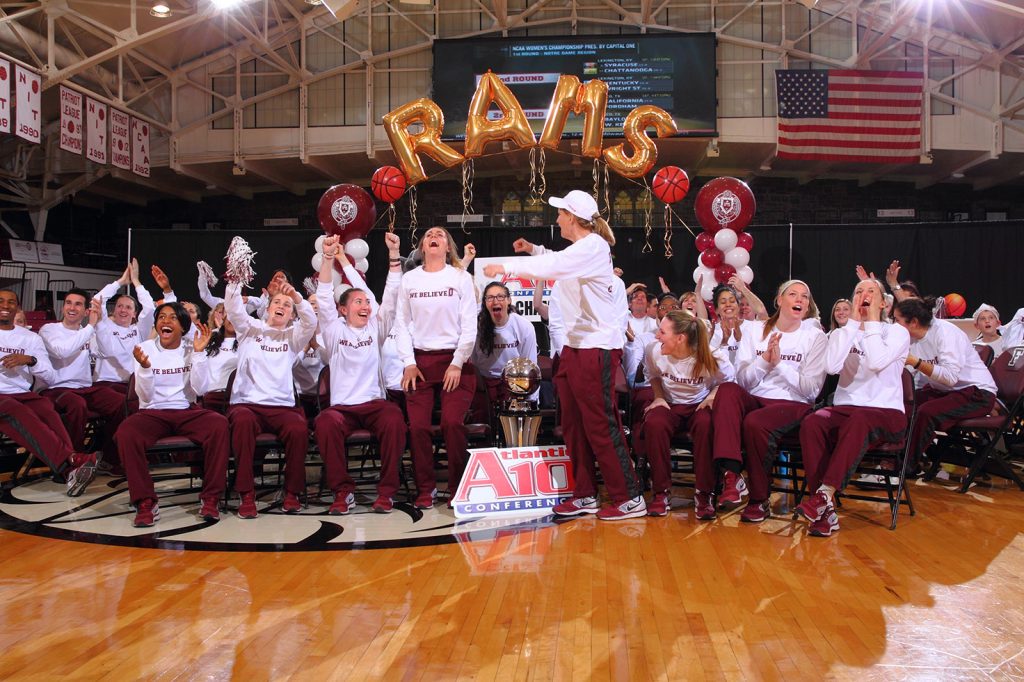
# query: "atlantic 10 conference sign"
{"type": "Point", "coordinates": [513, 481]}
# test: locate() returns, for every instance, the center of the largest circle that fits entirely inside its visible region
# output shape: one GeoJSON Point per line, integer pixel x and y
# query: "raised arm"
{"type": "Point", "coordinates": [234, 308]}
{"type": "Point", "coordinates": [760, 312]}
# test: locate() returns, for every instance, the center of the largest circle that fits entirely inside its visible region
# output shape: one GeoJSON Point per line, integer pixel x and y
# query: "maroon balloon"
{"type": "Point", "coordinates": [711, 258]}
{"type": "Point", "coordinates": [723, 272]}
{"type": "Point", "coordinates": [347, 211]}
{"type": "Point", "coordinates": [705, 241]}
{"type": "Point", "coordinates": [745, 241]}
{"type": "Point", "coordinates": [725, 202]}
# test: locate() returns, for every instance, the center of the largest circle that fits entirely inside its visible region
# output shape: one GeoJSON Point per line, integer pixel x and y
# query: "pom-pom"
{"type": "Point", "coordinates": [309, 286]}
{"type": "Point", "coordinates": [206, 272]}
{"type": "Point", "coordinates": [239, 262]}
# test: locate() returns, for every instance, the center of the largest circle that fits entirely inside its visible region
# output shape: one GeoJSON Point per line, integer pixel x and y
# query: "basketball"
{"type": "Point", "coordinates": [670, 184]}
{"type": "Point", "coordinates": [956, 306]}
{"type": "Point", "coordinates": [388, 184]}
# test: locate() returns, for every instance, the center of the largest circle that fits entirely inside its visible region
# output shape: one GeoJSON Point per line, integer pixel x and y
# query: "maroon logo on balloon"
{"type": "Point", "coordinates": [346, 210]}
{"type": "Point", "coordinates": [725, 202]}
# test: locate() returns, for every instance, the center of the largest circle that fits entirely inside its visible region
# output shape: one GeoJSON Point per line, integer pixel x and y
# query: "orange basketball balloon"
{"type": "Point", "coordinates": [956, 306]}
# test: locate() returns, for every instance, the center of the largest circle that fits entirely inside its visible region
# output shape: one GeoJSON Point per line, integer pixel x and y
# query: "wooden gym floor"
{"type": "Point", "coordinates": [671, 598]}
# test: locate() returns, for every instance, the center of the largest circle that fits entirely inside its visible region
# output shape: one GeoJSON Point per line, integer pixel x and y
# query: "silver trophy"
{"type": "Point", "coordinates": [519, 416]}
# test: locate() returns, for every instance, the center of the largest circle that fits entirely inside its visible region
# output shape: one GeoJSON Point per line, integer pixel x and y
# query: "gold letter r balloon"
{"type": "Point", "coordinates": [645, 154]}
{"type": "Point", "coordinates": [407, 146]}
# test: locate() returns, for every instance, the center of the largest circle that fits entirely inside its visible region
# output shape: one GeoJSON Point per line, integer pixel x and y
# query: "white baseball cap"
{"type": "Point", "coordinates": [982, 308]}
{"type": "Point", "coordinates": [577, 202]}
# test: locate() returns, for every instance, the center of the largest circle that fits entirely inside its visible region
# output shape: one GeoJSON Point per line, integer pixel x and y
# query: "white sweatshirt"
{"type": "Point", "coordinates": [69, 351]}
{"type": "Point", "coordinates": [391, 364]}
{"type": "Point", "coordinates": [354, 352]}
{"type": "Point", "coordinates": [642, 325]}
{"type": "Point", "coordinates": [211, 373]}
{"type": "Point", "coordinates": [1013, 331]}
{"type": "Point", "coordinates": [676, 375]}
{"type": "Point", "coordinates": [306, 371]}
{"type": "Point", "coordinates": [556, 327]}
{"type": "Point", "coordinates": [266, 354]}
{"type": "Point", "coordinates": [869, 363]}
{"type": "Point", "coordinates": [114, 343]}
{"type": "Point", "coordinates": [591, 309]}
{"type": "Point", "coordinates": [798, 376]}
{"type": "Point", "coordinates": [997, 346]}
{"type": "Point", "coordinates": [165, 384]}
{"type": "Point", "coordinates": [746, 327]}
{"type": "Point", "coordinates": [515, 339]}
{"type": "Point", "coordinates": [956, 363]}
{"type": "Point", "coordinates": [436, 311]}
{"type": "Point", "coordinates": [633, 355]}
{"type": "Point", "coordinates": [26, 342]}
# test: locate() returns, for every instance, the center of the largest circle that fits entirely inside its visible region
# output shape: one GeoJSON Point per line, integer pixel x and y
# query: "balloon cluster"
{"type": "Point", "coordinates": [347, 211]}
{"type": "Point", "coordinates": [724, 207]}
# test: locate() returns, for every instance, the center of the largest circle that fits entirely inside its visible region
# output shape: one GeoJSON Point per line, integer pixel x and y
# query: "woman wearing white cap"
{"type": "Point", "coordinates": [590, 359]}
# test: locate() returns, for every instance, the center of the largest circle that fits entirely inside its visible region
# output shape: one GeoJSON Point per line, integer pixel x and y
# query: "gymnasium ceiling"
{"type": "Point", "coordinates": [123, 55]}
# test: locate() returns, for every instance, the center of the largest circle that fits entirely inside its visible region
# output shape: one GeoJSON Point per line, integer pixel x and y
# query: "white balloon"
{"type": "Point", "coordinates": [339, 290]}
{"type": "Point", "coordinates": [746, 274]}
{"type": "Point", "coordinates": [316, 261]}
{"type": "Point", "coordinates": [319, 244]}
{"type": "Point", "coordinates": [707, 291]}
{"type": "Point", "coordinates": [737, 257]}
{"type": "Point", "coordinates": [706, 272]}
{"type": "Point", "coordinates": [357, 248]}
{"type": "Point", "coordinates": [362, 265]}
{"type": "Point", "coordinates": [335, 277]}
{"type": "Point", "coordinates": [725, 239]}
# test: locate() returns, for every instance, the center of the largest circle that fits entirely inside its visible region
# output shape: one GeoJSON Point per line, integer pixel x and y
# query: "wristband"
{"type": "Point", "coordinates": [918, 363]}
{"type": "Point", "coordinates": [34, 361]}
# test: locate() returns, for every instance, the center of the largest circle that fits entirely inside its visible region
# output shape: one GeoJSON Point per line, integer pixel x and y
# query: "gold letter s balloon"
{"type": "Point", "coordinates": [645, 154]}
{"type": "Point", "coordinates": [511, 126]}
{"type": "Point", "coordinates": [591, 100]}
{"type": "Point", "coordinates": [407, 147]}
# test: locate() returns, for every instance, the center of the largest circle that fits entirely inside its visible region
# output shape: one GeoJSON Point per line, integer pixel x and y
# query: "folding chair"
{"type": "Point", "coordinates": [974, 442]}
{"type": "Point", "coordinates": [986, 353]}
{"type": "Point", "coordinates": [170, 450]}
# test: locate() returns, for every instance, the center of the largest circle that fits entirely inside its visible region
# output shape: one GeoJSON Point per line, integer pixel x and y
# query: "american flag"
{"type": "Point", "coordinates": [850, 115]}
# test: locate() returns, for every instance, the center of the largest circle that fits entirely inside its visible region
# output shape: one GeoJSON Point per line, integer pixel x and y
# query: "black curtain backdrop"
{"type": "Point", "coordinates": [980, 261]}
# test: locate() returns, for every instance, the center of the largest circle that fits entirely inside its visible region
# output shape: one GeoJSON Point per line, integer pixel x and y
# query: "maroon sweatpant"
{"type": "Point", "coordinates": [419, 405]}
{"type": "Point", "coordinates": [641, 398]}
{"type": "Point", "coordinates": [758, 423]}
{"type": "Point", "coordinates": [659, 425]}
{"type": "Point", "coordinates": [31, 421]}
{"type": "Point", "coordinates": [337, 423]}
{"type": "Point", "coordinates": [146, 427]}
{"type": "Point", "coordinates": [74, 405]}
{"type": "Point", "coordinates": [496, 392]}
{"type": "Point", "coordinates": [833, 440]}
{"type": "Point", "coordinates": [291, 428]}
{"type": "Point", "coordinates": [940, 410]}
{"type": "Point", "coordinates": [592, 424]}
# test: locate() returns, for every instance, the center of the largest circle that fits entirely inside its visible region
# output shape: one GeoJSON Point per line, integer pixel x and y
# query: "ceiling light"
{"type": "Point", "coordinates": [314, 2]}
{"type": "Point", "coordinates": [160, 10]}
{"type": "Point", "coordinates": [226, 4]}
{"type": "Point", "coordinates": [958, 175]}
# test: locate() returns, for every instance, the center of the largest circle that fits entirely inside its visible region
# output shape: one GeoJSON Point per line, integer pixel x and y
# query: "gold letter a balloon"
{"type": "Point", "coordinates": [511, 126]}
{"type": "Point", "coordinates": [645, 154]}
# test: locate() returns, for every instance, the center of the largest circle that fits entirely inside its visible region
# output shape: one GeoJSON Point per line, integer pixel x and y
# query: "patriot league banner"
{"type": "Point", "coordinates": [71, 116]}
{"type": "Point", "coordinates": [120, 151]}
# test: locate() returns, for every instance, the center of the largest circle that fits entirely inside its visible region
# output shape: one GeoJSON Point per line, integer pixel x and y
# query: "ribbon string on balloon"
{"type": "Point", "coordinates": [413, 223]}
{"type": "Point", "coordinates": [467, 191]}
{"type": "Point", "coordinates": [542, 184]}
{"type": "Point", "coordinates": [607, 213]}
{"type": "Point", "coordinates": [392, 214]}
{"type": "Point", "coordinates": [596, 174]}
{"type": "Point", "coordinates": [668, 231]}
{"type": "Point", "coordinates": [534, 198]}
{"type": "Point", "coordinates": [645, 198]}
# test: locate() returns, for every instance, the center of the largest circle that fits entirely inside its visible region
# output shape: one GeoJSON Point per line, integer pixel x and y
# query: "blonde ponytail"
{"type": "Point", "coordinates": [598, 226]}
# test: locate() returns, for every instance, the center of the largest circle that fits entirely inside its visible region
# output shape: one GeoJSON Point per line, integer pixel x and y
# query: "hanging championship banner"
{"type": "Point", "coordinates": [70, 120]}
{"type": "Point", "coordinates": [28, 87]}
{"type": "Point", "coordinates": [5, 96]}
{"type": "Point", "coordinates": [140, 147]}
{"type": "Point", "coordinates": [95, 130]}
{"type": "Point", "coordinates": [120, 152]}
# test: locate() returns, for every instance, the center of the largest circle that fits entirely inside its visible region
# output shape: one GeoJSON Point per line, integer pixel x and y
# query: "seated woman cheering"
{"type": "Point", "coordinates": [166, 407]}
{"type": "Point", "coordinates": [685, 374]}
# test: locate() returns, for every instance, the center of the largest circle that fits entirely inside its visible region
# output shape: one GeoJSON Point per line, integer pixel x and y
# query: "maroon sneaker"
{"type": "Point", "coordinates": [147, 513]}
{"type": "Point", "coordinates": [659, 505]}
{"type": "Point", "coordinates": [343, 503]}
{"type": "Point", "coordinates": [83, 470]}
{"type": "Point", "coordinates": [826, 525]}
{"type": "Point", "coordinates": [426, 500]}
{"type": "Point", "coordinates": [577, 505]}
{"type": "Point", "coordinates": [208, 509]}
{"type": "Point", "coordinates": [291, 504]}
{"type": "Point", "coordinates": [630, 509]}
{"type": "Point", "coordinates": [247, 509]}
{"type": "Point", "coordinates": [756, 512]}
{"type": "Point", "coordinates": [383, 505]}
{"type": "Point", "coordinates": [813, 507]}
{"type": "Point", "coordinates": [704, 506]}
{"type": "Point", "coordinates": [734, 491]}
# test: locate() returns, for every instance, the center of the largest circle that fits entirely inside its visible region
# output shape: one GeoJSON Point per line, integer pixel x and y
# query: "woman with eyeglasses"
{"type": "Point", "coordinates": [502, 335]}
